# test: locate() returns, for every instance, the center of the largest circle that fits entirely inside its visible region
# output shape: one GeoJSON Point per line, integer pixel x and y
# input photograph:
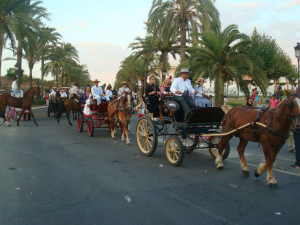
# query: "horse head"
{"type": "Point", "coordinates": [37, 91]}
{"type": "Point", "coordinates": [127, 100]}
{"type": "Point", "coordinates": [293, 104]}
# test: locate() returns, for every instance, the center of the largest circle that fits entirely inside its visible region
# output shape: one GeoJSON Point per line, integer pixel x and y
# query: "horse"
{"type": "Point", "coordinates": [68, 106]}
{"type": "Point", "coordinates": [120, 110]}
{"type": "Point", "coordinates": [269, 127]}
{"type": "Point", "coordinates": [23, 103]}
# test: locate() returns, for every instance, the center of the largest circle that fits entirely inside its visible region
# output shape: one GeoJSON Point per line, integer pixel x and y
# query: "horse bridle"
{"type": "Point", "coordinates": [290, 106]}
{"type": "Point", "coordinates": [123, 100]}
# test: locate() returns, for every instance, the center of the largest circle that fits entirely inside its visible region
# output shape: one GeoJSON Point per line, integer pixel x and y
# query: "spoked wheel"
{"type": "Point", "coordinates": [146, 135]}
{"type": "Point", "coordinates": [188, 144]}
{"type": "Point", "coordinates": [174, 150]}
{"type": "Point", "coordinates": [80, 123]}
{"type": "Point", "coordinates": [90, 126]}
{"type": "Point", "coordinates": [214, 150]}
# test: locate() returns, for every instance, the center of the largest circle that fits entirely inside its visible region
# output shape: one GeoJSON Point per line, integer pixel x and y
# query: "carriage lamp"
{"type": "Point", "coordinates": [297, 53]}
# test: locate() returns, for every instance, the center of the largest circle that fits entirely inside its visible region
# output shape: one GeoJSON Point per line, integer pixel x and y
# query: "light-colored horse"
{"type": "Point", "coordinates": [120, 110]}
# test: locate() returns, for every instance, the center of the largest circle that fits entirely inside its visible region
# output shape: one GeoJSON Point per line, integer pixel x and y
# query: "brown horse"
{"type": "Point", "coordinates": [68, 106]}
{"type": "Point", "coordinates": [120, 110]}
{"type": "Point", "coordinates": [271, 137]}
{"type": "Point", "coordinates": [23, 103]}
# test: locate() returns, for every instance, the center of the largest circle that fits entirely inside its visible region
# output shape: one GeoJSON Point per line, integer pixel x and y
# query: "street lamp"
{"type": "Point", "coordinates": [297, 53]}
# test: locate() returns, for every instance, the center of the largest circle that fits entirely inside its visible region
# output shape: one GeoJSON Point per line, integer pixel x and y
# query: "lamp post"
{"type": "Point", "coordinates": [297, 53]}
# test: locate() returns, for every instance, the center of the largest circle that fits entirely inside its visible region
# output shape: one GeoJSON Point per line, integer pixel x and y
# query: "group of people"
{"type": "Point", "coordinates": [182, 91]}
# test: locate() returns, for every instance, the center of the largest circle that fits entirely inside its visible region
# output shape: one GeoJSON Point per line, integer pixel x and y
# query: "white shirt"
{"type": "Point", "coordinates": [63, 95]}
{"type": "Point", "coordinates": [53, 93]}
{"type": "Point", "coordinates": [96, 90]}
{"type": "Point", "coordinates": [108, 94]}
{"type": "Point", "coordinates": [74, 90]}
{"type": "Point", "coordinates": [199, 89]}
{"type": "Point", "coordinates": [121, 90]}
{"type": "Point", "coordinates": [181, 85]}
{"type": "Point", "coordinates": [14, 85]}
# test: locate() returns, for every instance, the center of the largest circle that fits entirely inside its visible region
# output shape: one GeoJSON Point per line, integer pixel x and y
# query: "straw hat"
{"type": "Point", "coordinates": [185, 70]}
{"type": "Point", "coordinates": [96, 81]}
{"type": "Point", "coordinates": [152, 75]}
{"type": "Point", "coordinates": [124, 82]}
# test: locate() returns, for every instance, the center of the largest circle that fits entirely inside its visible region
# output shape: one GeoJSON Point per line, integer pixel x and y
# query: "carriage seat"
{"type": "Point", "coordinates": [205, 115]}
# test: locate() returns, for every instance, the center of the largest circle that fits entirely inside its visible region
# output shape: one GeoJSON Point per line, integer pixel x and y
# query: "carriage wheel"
{"type": "Point", "coordinates": [146, 135]}
{"type": "Point", "coordinates": [214, 150]}
{"type": "Point", "coordinates": [174, 150]}
{"type": "Point", "coordinates": [80, 123]}
{"type": "Point", "coordinates": [188, 144]}
{"type": "Point", "coordinates": [90, 126]}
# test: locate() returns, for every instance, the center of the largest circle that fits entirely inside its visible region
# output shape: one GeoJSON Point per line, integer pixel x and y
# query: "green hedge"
{"type": "Point", "coordinates": [39, 101]}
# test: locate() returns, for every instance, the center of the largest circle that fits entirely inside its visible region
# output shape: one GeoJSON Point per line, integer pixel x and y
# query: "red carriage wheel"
{"type": "Point", "coordinates": [90, 126]}
{"type": "Point", "coordinates": [80, 120]}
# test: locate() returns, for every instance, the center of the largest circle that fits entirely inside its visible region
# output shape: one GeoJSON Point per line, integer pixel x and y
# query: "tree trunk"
{"type": "Point", "coordinates": [30, 74]}
{"type": "Point", "coordinates": [19, 61]}
{"type": "Point", "coordinates": [43, 73]}
{"type": "Point", "coordinates": [62, 78]}
{"type": "Point", "coordinates": [163, 66]}
{"type": "Point", "coordinates": [237, 91]}
{"type": "Point", "coordinates": [219, 89]}
{"type": "Point", "coordinates": [146, 76]}
{"type": "Point", "coordinates": [1, 51]}
{"type": "Point", "coordinates": [182, 27]}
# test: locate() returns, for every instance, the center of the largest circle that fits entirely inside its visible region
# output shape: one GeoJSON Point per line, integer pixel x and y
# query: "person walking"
{"type": "Point", "coordinates": [296, 134]}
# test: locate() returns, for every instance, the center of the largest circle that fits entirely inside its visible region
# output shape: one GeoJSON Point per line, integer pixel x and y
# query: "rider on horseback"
{"type": "Point", "coordinates": [74, 93]}
{"type": "Point", "coordinates": [14, 87]}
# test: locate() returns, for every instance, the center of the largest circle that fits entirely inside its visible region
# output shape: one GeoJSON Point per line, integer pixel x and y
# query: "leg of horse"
{"type": "Point", "coordinates": [270, 157]}
{"type": "Point", "coordinates": [3, 110]}
{"type": "Point", "coordinates": [21, 114]}
{"type": "Point", "coordinates": [125, 132]}
{"type": "Point", "coordinates": [124, 126]}
{"type": "Point", "coordinates": [58, 115]}
{"type": "Point", "coordinates": [68, 116]}
{"type": "Point", "coordinates": [30, 111]}
{"type": "Point", "coordinates": [221, 147]}
{"type": "Point", "coordinates": [241, 149]}
{"type": "Point", "coordinates": [112, 127]}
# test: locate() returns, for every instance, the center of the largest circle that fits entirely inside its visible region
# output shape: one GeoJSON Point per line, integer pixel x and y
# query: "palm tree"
{"type": "Point", "coordinates": [144, 49]}
{"type": "Point", "coordinates": [34, 13]}
{"type": "Point", "coordinates": [223, 56]}
{"type": "Point", "coordinates": [186, 14]}
{"type": "Point", "coordinates": [47, 39]}
{"type": "Point", "coordinates": [166, 39]}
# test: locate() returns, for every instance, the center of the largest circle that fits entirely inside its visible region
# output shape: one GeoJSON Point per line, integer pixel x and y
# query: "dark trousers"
{"type": "Point", "coordinates": [296, 134]}
{"type": "Point", "coordinates": [186, 102]}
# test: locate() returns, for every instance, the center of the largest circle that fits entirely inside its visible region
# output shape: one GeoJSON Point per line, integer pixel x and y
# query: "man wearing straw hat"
{"type": "Point", "coordinates": [201, 99]}
{"type": "Point", "coordinates": [182, 89]}
{"type": "Point", "coordinates": [97, 91]}
{"type": "Point", "coordinates": [124, 88]}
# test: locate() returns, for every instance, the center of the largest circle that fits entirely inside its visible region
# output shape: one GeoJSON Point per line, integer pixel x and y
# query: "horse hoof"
{"type": "Point", "coordinates": [128, 144]}
{"type": "Point", "coordinates": [71, 124]}
{"type": "Point", "coordinates": [123, 141]}
{"type": "Point", "coordinates": [246, 173]}
{"type": "Point", "coordinates": [17, 125]}
{"type": "Point", "coordinates": [274, 186]}
{"type": "Point", "coordinates": [37, 124]}
{"type": "Point", "coordinates": [221, 168]}
{"type": "Point", "coordinates": [256, 173]}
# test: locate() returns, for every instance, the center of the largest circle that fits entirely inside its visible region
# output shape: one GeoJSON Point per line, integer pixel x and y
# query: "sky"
{"type": "Point", "coordinates": [102, 30]}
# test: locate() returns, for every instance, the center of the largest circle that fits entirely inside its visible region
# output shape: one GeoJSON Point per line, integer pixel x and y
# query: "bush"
{"type": "Point", "coordinates": [38, 101]}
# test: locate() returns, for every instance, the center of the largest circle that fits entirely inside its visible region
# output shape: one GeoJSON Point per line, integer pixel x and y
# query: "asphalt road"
{"type": "Point", "coordinates": [55, 175]}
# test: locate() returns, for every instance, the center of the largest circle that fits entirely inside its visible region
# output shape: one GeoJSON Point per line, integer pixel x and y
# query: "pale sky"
{"type": "Point", "coordinates": [102, 30]}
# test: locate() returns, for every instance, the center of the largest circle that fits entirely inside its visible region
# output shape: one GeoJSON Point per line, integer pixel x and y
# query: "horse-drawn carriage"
{"type": "Point", "coordinates": [199, 131]}
{"type": "Point", "coordinates": [98, 118]}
